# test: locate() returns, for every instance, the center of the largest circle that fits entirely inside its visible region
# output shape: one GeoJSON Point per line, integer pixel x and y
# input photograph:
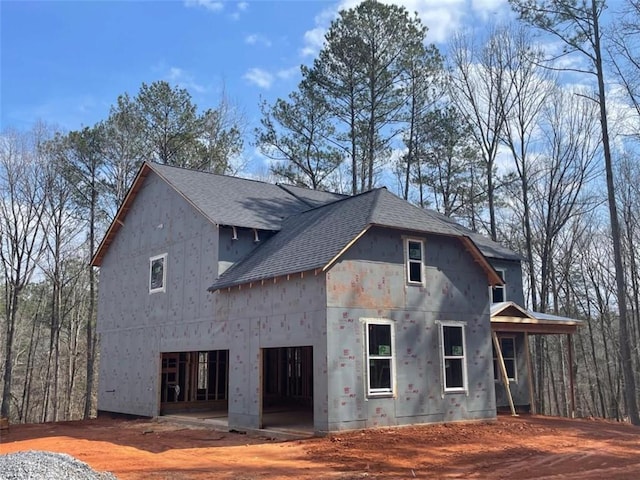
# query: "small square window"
{"type": "Point", "coordinates": [157, 273]}
{"type": "Point", "coordinates": [380, 357]}
{"type": "Point", "coordinates": [414, 253]}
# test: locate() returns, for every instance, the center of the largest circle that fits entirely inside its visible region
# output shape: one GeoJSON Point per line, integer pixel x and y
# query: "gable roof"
{"type": "Point", "coordinates": [314, 239]}
{"type": "Point", "coordinates": [254, 204]}
{"type": "Point", "coordinates": [511, 317]}
{"type": "Point", "coordinates": [247, 203]}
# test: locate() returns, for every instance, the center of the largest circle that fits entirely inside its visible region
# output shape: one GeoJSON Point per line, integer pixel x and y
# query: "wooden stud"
{"type": "Point", "coordinates": [503, 371]}
{"type": "Point", "coordinates": [527, 354]}
{"type": "Point", "coordinates": [572, 413]}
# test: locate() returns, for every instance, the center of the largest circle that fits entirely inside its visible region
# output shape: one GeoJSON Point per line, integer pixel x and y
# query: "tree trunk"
{"type": "Point", "coordinates": [626, 359]}
{"type": "Point", "coordinates": [12, 311]}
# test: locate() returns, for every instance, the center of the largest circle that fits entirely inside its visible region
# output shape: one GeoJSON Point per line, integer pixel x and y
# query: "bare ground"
{"type": "Point", "coordinates": [525, 447]}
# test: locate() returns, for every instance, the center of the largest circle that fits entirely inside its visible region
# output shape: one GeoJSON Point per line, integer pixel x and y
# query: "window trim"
{"type": "Point", "coordinates": [408, 261]}
{"type": "Point", "coordinates": [497, 376]}
{"type": "Point", "coordinates": [503, 273]}
{"type": "Point", "coordinates": [463, 357]}
{"type": "Point", "coordinates": [377, 392]}
{"type": "Point", "coordinates": [163, 288]}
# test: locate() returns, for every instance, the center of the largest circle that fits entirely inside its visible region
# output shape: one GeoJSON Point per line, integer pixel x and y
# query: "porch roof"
{"type": "Point", "coordinates": [511, 317]}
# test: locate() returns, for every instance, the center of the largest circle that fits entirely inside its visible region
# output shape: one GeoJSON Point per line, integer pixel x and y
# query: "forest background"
{"type": "Point", "coordinates": [526, 132]}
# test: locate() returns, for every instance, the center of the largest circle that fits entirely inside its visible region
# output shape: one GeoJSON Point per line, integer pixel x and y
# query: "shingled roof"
{"type": "Point", "coordinates": [246, 203]}
{"type": "Point", "coordinates": [488, 247]}
{"type": "Point", "coordinates": [314, 239]}
{"type": "Point", "coordinates": [314, 198]}
{"type": "Point", "coordinates": [314, 226]}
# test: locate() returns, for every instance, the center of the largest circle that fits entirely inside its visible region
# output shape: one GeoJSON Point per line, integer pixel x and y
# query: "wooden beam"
{"type": "Point", "coordinates": [527, 354]}
{"type": "Point", "coordinates": [572, 413]}
{"type": "Point", "coordinates": [503, 371]}
{"type": "Point", "coordinates": [533, 321]}
{"type": "Point", "coordinates": [533, 328]}
{"type": "Point", "coordinates": [346, 247]}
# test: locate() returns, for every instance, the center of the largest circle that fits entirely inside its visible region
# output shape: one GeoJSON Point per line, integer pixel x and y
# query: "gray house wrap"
{"type": "Point", "coordinates": [260, 272]}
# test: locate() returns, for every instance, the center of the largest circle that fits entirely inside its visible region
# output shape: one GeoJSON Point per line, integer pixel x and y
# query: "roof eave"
{"type": "Point", "coordinates": [261, 281]}
{"type": "Point", "coordinates": [492, 276]}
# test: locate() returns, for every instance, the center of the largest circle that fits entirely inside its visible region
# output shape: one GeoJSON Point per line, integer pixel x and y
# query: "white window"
{"type": "Point", "coordinates": [454, 364]}
{"type": "Point", "coordinates": [158, 273]}
{"type": "Point", "coordinates": [380, 357]}
{"type": "Point", "coordinates": [508, 347]}
{"type": "Point", "coordinates": [499, 292]}
{"type": "Point", "coordinates": [414, 255]}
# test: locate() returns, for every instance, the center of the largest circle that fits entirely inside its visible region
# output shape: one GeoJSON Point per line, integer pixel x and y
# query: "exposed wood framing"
{"type": "Point", "coordinates": [572, 413]}
{"type": "Point", "coordinates": [527, 355]}
{"type": "Point", "coordinates": [492, 276]}
{"type": "Point", "coordinates": [503, 372]}
{"type": "Point", "coordinates": [346, 247]}
{"type": "Point", "coordinates": [533, 328]}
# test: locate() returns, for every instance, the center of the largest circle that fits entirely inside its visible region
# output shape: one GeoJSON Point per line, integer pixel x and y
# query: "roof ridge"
{"type": "Point", "coordinates": [193, 170]}
{"type": "Point", "coordinates": [297, 197]}
{"type": "Point", "coordinates": [344, 199]}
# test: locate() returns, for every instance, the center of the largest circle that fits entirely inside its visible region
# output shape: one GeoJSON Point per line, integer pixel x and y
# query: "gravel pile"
{"type": "Point", "coordinates": [36, 465]}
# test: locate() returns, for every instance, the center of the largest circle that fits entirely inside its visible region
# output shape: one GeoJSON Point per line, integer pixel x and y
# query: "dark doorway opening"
{"type": "Point", "coordinates": [288, 386]}
{"type": "Point", "coordinates": [194, 381]}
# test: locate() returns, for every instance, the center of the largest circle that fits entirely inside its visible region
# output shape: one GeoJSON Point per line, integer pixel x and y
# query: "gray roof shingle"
{"type": "Point", "coordinates": [245, 203]}
{"type": "Point", "coordinates": [313, 226]}
{"type": "Point", "coordinates": [312, 239]}
{"type": "Point", "coordinates": [488, 247]}
{"type": "Point", "coordinates": [313, 198]}
{"type": "Point", "coordinates": [306, 241]}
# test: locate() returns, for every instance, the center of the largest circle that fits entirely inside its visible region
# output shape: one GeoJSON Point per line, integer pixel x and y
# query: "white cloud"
{"type": "Point", "coordinates": [211, 5]}
{"type": "Point", "coordinates": [240, 8]}
{"type": "Point", "coordinates": [441, 17]}
{"type": "Point", "coordinates": [313, 41]}
{"type": "Point", "coordinates": [256, 38]}
{"type": "Point", "coordinates": [259, 77]}
{"type": "Point", "coordinates": [184, 80]}
{"type": "Point", "coordinates": [288, 73]}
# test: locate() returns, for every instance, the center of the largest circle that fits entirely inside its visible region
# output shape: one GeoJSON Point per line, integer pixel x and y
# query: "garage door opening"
{"type": "Point", "coordinates": [195, 381]}
{"type": "Point", "coordinates": [288, 387]}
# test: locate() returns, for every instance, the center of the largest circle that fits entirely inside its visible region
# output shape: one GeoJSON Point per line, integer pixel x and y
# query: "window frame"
{"type": "Point", "coordinates": [496, 369]}
{"type": "Point", "coordinates": [391, 390]}
{"type": "Point", "coordinates": [492, 289]}
{"type": "Point", "coordinates": [163, 288]}
{"type": "Point", "coordinates": [463, 358]}
{"type": "Point", "coordinates": [408, 261]}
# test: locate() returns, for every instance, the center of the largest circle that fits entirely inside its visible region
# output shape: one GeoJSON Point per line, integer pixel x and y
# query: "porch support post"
{"type": "Point", "coordinates": [527, 354]}
{"type": "Point", "coordinates": [503, 371]}
{"type": "Point", "coordinates": [572, 412]}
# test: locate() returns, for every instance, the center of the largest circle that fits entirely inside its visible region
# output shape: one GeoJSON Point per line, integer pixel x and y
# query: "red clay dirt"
{"type": "Point", "coordinates": [525, 447]}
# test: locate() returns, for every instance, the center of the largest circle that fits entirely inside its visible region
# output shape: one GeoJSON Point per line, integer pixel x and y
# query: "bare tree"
{"type": "Point", "coordinates": [477, 88]}
{"type": "Point", "coordinates": [530, 88]}
{"type": "Point", "coordinates": [22, 200]}
{"type": "Point", "coordinates": [81, 154]}
{"type": "Point", "coordinates": [577, 24]}
{"type": "Point", "coordinates": [61, 245]}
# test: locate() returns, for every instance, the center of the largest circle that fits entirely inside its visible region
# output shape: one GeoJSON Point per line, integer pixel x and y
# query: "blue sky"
{"type": "Point", "coordinates": [66, 62]}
